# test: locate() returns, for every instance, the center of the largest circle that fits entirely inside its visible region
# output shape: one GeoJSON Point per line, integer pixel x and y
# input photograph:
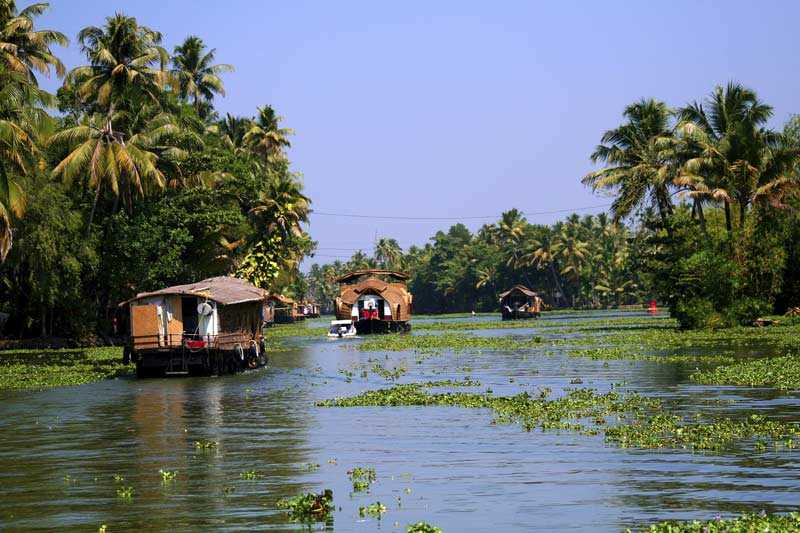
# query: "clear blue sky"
{"type": "Point", "coordinates": [458, 109]}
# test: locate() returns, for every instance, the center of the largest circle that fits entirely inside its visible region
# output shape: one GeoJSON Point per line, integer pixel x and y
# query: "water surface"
{"type": "Point", "coordinates": [60, 449]}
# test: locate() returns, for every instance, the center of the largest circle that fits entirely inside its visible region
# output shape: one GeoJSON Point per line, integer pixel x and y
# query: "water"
{"type": "Point", "coordinates": [60, 450]}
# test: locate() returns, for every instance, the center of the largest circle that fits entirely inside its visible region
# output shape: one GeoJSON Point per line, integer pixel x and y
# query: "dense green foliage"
{"type": "Point", "coordinates": [137, 183]}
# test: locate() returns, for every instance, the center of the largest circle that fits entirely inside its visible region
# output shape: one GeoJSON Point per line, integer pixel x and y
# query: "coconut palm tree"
{"type": "Point", "coordinates": [388, 253]}
{"type": "Point", "coordinates": [22, 118]}
{"type": "Point", "coordinates": [24, 49]}
{"type": "Point", "coordinates": [266, 138]}
{"type": "Point", "coordinates": [231, 131]}
{"type": "Point", "coordinates": [637, 155]}
{"type": "Point", "coordinates": [572, 253]}
{"type": "Point", "coordinates": [112, 159]}
{"type": "Point", "coordinates": [738, 160]}
{"type": "Point", "coordinates": [281, 207]}
{"type": "Point", "coordinates": [195, 74]}
{"type": "Point", "coordinates": [126, 65]}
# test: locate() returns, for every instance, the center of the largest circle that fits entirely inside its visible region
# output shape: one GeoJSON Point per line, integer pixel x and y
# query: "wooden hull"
{"type": "Point", "coordinates": [369, 326]}
{"type": "Point", "coordinates": [201, 362]}
{"type": "Point", "coordinates": [519, 315]}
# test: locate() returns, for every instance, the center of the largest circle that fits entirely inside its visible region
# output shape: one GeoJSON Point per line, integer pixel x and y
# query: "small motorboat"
{"type": "Point", "coordinates": [341, 329]}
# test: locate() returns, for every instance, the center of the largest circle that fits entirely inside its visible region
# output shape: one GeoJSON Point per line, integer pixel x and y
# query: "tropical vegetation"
{"type": "Point", "coordinates": [130, 164]}
{"type": "Point", "coordinates": [703, 219]}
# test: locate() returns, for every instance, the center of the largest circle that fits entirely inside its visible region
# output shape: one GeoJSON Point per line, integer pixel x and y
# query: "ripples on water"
{"type": "Point", "coordinates": [60, 449]}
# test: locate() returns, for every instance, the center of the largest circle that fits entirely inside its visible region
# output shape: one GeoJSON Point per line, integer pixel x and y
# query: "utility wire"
{"type": "Point", "coordinates": [389, 217]}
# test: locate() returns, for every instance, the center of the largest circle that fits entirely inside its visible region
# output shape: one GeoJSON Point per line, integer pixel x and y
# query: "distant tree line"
{"type": "Point", "coordinates": [704, 219]}
{"type": "Point", "coordinates": [136, 182]}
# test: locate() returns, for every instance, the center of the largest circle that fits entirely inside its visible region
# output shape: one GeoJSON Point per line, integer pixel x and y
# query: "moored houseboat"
{"type": "Point", "coordinates": [213, 326]}
{"type": "Point", "coordinates": [376, 301]}
{"type": "Point", "coordinates": [520, 302]}
{"type": "Point", "coordinates": [285, 309]}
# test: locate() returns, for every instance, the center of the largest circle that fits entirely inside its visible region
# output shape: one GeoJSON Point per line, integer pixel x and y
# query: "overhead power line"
{"type": "Point", "coordinates": [484, 217]}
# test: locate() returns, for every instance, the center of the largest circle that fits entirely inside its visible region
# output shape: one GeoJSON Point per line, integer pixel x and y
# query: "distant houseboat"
{"type": "Point", "coordinates": [377, 301]}
{"type": "Point", "coordinates": [520, 302]}
{"type": "Point", "coordinates": [285, 309]}
{"type": "Point", "coordinates": [213, 326]}
{"type": "Point", "coordinates": [309, 309]}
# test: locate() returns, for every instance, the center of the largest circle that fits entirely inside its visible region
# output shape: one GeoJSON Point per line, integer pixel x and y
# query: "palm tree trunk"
{"type": "Point", "coordinates": [742, 214]}
{"type": "Point", "coordinates": [555, 279]}
{"type": "Point", "coordinates": [94, 208]}
{"type": "Point", "coordinates": [728, 225]}
{"type": "Point", "coordinates": [698, 207]}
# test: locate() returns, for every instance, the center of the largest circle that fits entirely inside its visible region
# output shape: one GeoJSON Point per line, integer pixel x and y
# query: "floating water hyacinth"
{"type": "Point", "coordinates": [125, 493]}
{"type": "Point", "coordinates": [204, 444]}
{"type": "Point", "coordinates": [362, 478]}
{"type": "Point", "coordinates": [748, 522]}
{"type": "Point", "coordinates": [309, 507]}
{"type": "Point", "coordinates": [422, 527]}
{"type": "Point", "coordinates": [167, 475]}
{"type": "Point", "coordinates": [375, 510]}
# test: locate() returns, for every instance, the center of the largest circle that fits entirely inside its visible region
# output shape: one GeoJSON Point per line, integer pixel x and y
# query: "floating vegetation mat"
{"type": "Point", "coordinates": [777, 372]}
{"type": "Point", "coordinates": [39, 369]}
{"type": "Point", "coordinates": [670, 431]}
{"type": "Point", "coordinates": [637, 423]}
{"type": "Point", "coordinates": [446, 341]}
{"type": "Point", "coordinates": [531, 412]}
{"type": "Point", "coordinates": [747, 523]}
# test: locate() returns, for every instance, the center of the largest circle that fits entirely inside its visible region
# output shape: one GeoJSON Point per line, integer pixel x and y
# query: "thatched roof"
{"type": "Point", "coordinates": [372, 272]}
{"type": "Point", "coordinates": [519, 288]}
{"type": "Point", "coordinates": [222, 289]}
{"type": "Point", "coordinates": [281, 298]}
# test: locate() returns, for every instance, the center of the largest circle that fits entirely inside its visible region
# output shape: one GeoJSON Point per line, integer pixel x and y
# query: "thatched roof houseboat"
{"type": "Point", "coordinates": [377, 301]}
{"type": "Point", "coordinates": [210, 327]}
{"type": "Point", "coordinates": [520, 302]}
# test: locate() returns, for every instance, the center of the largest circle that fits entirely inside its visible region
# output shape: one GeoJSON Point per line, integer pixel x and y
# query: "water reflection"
{"type": "Point", "coordinates": [60, 449]}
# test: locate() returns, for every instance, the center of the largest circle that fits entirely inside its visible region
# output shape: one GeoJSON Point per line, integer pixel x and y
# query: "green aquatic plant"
{"type": "Point", "coordinates": [167, 475]}
{"type": "Point", "coordinates": [456, 342]}
{"type": "Point", "coordinates": [375, 510]}
{"type": "Point", "coordinates": [781, 372]}
{"type": "Point", "coordinates": [125, 493]}
{"type": "Point", "coordinates": [466, 382]}
{"type": "Point", "coordinates": [422, 527]}
{"type": "Point", "coordinates": [118, 478]}
{"type": "Point", "coordinates": [40, 369]}
{"type": "Point", "coordinates": [204, 444]}
{"type": "Point", "coordinates": [747, 523]}
{"type": "Point", "coordinates": [309, 507]}
{"type": "Point", "coordinates": [528, 411]}
{"type": "Point", "coordinates": [249, 475]}
{"type": "Point", "coordinates": [362, 478]}
{"type": "Point", "coordinates": [311, 467]}
{"type": "Point", "coordinates": [672, 431]}
{"type": "Point", "coordinates": [388, 374]}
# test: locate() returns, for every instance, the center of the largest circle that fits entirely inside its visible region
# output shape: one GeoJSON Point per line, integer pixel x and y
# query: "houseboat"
{"type": "Point", "coordinates": [210, 327]}
{"type": "Point", "coordinates": [309, 309]}
{"type": "Point", "coordinates": [376, 301]}
{"type": "Point", "coordinates": [520, 302]}
{"type": "Point", "coordinates": [285, 309]}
